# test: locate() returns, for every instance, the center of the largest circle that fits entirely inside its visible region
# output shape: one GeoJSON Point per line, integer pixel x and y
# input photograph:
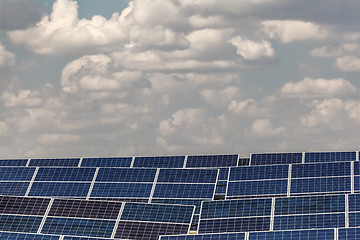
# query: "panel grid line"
{"type": "Point", "coordinates": [45, 215]}
{"type": "Point", "coordinates": [118, 220]}
{"type": "Point", "coordinates": [92, 184]}
{"type": "Point", "coordinates": [31, 181]}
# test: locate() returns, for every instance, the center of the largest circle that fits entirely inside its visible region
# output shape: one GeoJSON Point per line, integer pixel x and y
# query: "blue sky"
{"type": "Point", "coordinates": [163, 77]}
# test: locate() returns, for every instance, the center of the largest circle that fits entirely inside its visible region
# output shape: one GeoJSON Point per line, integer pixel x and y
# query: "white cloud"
{"type": "Point", "coordinates": [348, 64]}
{"type": "Point", "coordinates": [331, 51]}
{"type": "Point", "coordinates": [220, 98]}
{"type": "Point", "coordinates": [7, 59]}
{"type": "Point", "coordinates": [53, 139]}
{"type": "Point", "coordinates": [312, 88]}
{"type": "Point", "coordinates": [265, 128]}
{"type": "Point", "coordinates": [291, 30]}
{"type": "Point", "coordinates": [252, 49]}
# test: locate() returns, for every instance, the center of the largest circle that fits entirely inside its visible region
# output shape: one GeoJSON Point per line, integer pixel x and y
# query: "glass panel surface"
{"type": "Point", "coordinates": [13, 162]}
{"type": "Point", "coordinates": [188, 175]}
{"type": "Point", "coordinates": [160, 162]}
{"type": "Point", "coordinates": [212, 161]}
{"type": "Point", "coordinates": [13, 188]}
{"type": "Point", "coordinates": [107, 162]}
{"type": "Point", "coordinates": [235, 225]}
{"type": "Point", "coordinates": [136, 190]}
{"type": "Point", "coordinates": [252, 188]}
{"type": "Point", "coordinates": [62, 162]}
{"type": "Point", "coordinates": [330, 156]}
{"type": "Point", "coordinates": [59, 189]}
{"type": "Point", "coordinates": [318, 185]}
{"type": "Point", "coordinates": [65, 174]}
{"type": "Point", "coordinates": [275, 158]}
{"type": "Point", "coordinates": [14, 223]}
{"type": "Point", "coordinates": [259, 172]}
{"type": "Point", "coordinates": [326, 234]}
{"type": "Point", "coordinates": [23, 206]}
{"type": "Point", "coordinates": [126, 175]}
{"type": "Point", "coordinates": [184, 190]}
{"type": "Point", "coordinates": [321, 170]}
{"type": "Point", "coordinates": [16, 173]}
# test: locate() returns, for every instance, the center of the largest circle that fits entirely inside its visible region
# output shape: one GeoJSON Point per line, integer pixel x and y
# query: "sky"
{"type": "Point", "coordinates": [173, 77]}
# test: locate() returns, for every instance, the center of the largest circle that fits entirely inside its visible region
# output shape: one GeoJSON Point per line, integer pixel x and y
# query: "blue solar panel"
{"type": "Point", "coordinates": [107, 162]}
{"type": "Point", "coordinates": [221, 188]}
{"type": "Point", "coordinates": [354, 202]}
{"type": "Point", "coordinates": [311, 204]}
{"type": "Point", "coordinates": [356, 168]}
{"type": "Point", "coordinates": [78, 227]}
{"type": "Point", "coordinates": [321, 185]}
{"type": "Point", "coordinates": [235, 225]}
{"type": "Point", "coordinates": [219, 236]}
{"type": "Point", "coordinates": [12, 223]}
{"type": "Point", "coordinates": [223, 173]}
{"type": "Point", "coordinates": [212, 161]}
{"type": "Point", "coordinates": [16, 173]}
{"type": "Point", "coordinates": [236, 208]}
{"type": "Point", "coordinates": [192, 202]}
{"type": "Point", "coordinates": [130, 190]}
{"type": "Point", "coordinates": [59, 189]}
{"type": "Point", "coordinates": [321, 170]}
{"type": "Point", "coordinates": [13, 162]}
{"type": "Point", "coordinates": [275, 158]}
{"type": "Point", "coordinates": [125, 175]}
{"type": "Point", "coordinates": [309, 221]}
{"type": "Point", "coordinates": [188, 175]}
{"type": "Point", "coordinates": [259, 172]}
{"type": "Point", "coordinates": [349, 233]}
{"type": "Point", "coordinates": [157, 213]}
{"type": "Point", "coordinates": [184, 190]}
{"type": "Point", "coordinates": [13, 188]}
{"type": "Point", "coordinates": [65, 174]}
{"type": "Point", "coordinates": [84, 238]}
{"type": "Point", "coordinates": [252, 188]}
{"type": "Point", "coordinates": [354, 219]}
{"type": "Point", "coordinates": [330, 156]}
{"type": "Point", "coordinates": [324, 234]}
{"type": "Point", "coordinates": [62, 162]}
{"type": "Point", "coordinates": [160, 162]}
{"type": "Point", "coordinates": [26, 236]}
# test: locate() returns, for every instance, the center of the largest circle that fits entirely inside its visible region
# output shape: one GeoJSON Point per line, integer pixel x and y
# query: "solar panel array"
{"type": "Point", "coordinates": [312, 195]}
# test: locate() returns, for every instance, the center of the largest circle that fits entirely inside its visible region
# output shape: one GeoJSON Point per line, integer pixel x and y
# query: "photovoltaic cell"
{"type": "Point", "coordinates": [243, 162]}
{"type": "Point", "coordinates": [354, 202]}
{"type": "Point", "coordinates": [157, 213]}
{"type": "Point", "coordinates": [221, 188]}
{"type": "Point", "coordinates": [13, 162]}
{"type": "Point", "coordinates": [212, 161]}
{"type": "Point", "coordinates": [160, 162]}
{"type": "Point", "coordinates": [275, 158]}
{"type": "Point", "coordinates": [235, 225]}
{"type": "Point", "coordinates": [26, 236]}
{"type": "Point", "coordinates": [130, 190]}
{"type": "Point", "coordinates": [23, 206]}
{"type": "Point", "coordinates": [13, 223]}
{"type": "Point", "coordinates": [148, 230]}
{"type": "Point", "coordinates": [126, 175]}
{"type": "Point", "coordinates": [78, 227]}
{"type": "Point", "coordinates": [354, 219]}
{"type": "Point", "coordinates": [223, 173]}
{"type": "Point", "coordinates": [324, 234]}
{"type": "Point", "coordinates": [320, 185]}
{"type": "Point", "coordinates": [310, 204]}
{"type": "Point", "coordinates": [191, 202]}
{"type": "Point", "coordinates": [252, 188]}
{"type": "Point", "coordinates": [65, 174]}
{"type": "Point", "coordinates": [349, 233]}
{"type": "Point", "coordinates": [184, 190]}
{"type": "Point", "coordinates": [61, 162]}
{"type": "Point", "coordinates": [13, 188]}
{"type": "Point", "coordinates": [356, 168]}
{"type": "Point", "coordinates": [330, 156]}
{"type": "Point", "coordinates": [321, 170]}
{"type": "Point", "coordinates": [309, 221]}
{"type": "Point", "coordinates": [84, 238]}
{"type": "Point", "coordinates": [220, 236]}
{"type": "Point", "coordinates": [236, 208]}
{"type": "Point", "coordinates": [85, 209]}
{"type": "Point", "coordinates": [188, 175]}
{"type": "Point", "coordinates": [16, 173]}
{"type": "Point", "coordinates": [59, 189]}
{"type": "Point", "coordinates": [195, 222]}
{"type": "Point", "coordinates": [107, 162]}
{"type": "Point", "coordinates": [259, 172]}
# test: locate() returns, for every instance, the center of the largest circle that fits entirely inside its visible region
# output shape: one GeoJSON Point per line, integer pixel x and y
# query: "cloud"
{"type": "Point", "coordinates": [265, 128]}
{"type": "Point", "coordinates": [290, 30]}
{"type": "Point", "coordinates": [314, 88]}
{"type": "Point", "coordinates": [348, 64]}
{"type": "Point", "coordinates": [17, 14]}
{"type": "Point", "coordinates": [252, 50]}
{"type": "Point", "coordinates": [220, 98]}
{"type": "Point", "coordinates": [335, 51]}
{"type": "Point", "coordinates": [7, 59]}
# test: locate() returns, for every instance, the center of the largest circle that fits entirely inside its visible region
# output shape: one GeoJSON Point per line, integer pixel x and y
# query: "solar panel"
{"type": "Point", "coordinates": [13, 188]}
{"type": "Point", "coordinates": [212, 161]}
{"type": "Point", "coordinates": [13, 223]}
{"type": "Point", "coordinates": [107, 162]}
{"type": "Point", "coordinates": [182, 190]}
{"type": "Point", "coordinates": [259, 172]}
{"type": "Point", "coordinates": [129, 190]}
{"type": "Point", "coordinates": [65, 174]}
{"type": "Point", "coordinates": [187, 175]}
{"type": "Point", "coordinates": [330, 156]}
{"type": "Point", "coordinates": [320, 185]}
{"type": "Point", "coordinates": [61, 162]}
{"type": "Point", "coordinates": [349, 233]}
{"type": "Point", "coordinates": [16, 173]}
{"type": "Point", "coordinates": [235, 225]}
{"type": "Point", "coordinates": [23, 206]}
{"type": "Point", "coordinates": [59, 189]}
{"type": "Point", "coordinates": [13, 162]}
{"type": "Point", "coordinates": [220, 236]}
{"type": "Point", "coordinates": [244, 162]}
{"type": "Point", "coordinates": [275, 158]}
{"type": "Point", "coordinates": [323, 234]}
{"type": "Point", "coordinates": [126, 175]}
{"type": "Point", "coordinates": [160, 162]}
{"type": "Point", "coordinates": [26, 236]}
{"type": "Point", "coordinates": [254, 188]}
{"type": "Point", "coordinates": [321, 169]}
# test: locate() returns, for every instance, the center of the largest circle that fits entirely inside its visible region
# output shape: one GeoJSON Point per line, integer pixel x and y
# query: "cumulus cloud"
{"type": "Point", "coordinates": [335, 51]}
{"type": "Point", "coordinates": [313, 88]}
{"type": "Point", "coordinates": [251, 49]}
{"type": "Point", "coordinates": [290, 30]}
{"type": "Point", "coordinates": [7, 59]}
{"type": "Point", "coordinates": [348, 64]}
{"type": "Point", "coordinates": [265, 128]}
